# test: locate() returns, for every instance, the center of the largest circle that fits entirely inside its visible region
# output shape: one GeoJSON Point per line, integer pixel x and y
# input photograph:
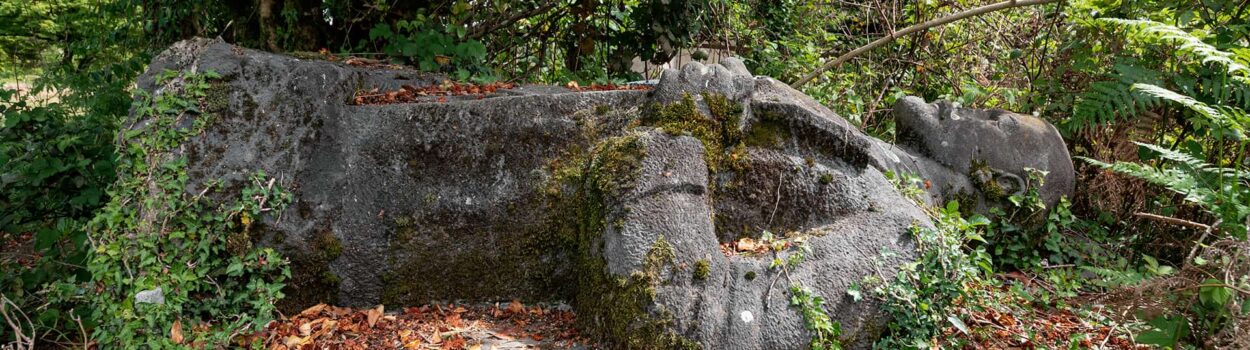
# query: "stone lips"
{"type": "Point", "coordinates": [549, 194]}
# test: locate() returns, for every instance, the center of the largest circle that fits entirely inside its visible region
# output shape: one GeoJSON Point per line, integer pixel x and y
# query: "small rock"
{"type": "Point", "coordinates": [151, 296]}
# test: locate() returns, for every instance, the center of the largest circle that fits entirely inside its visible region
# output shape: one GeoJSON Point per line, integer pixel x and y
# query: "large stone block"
{"type": "Point", "coordinates": [618, 201]}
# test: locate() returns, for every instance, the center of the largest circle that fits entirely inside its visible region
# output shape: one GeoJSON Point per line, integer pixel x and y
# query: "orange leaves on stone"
{"type": "Point", "coordinates": [433, 93]}
{"type": "Point", "coordinates": [572, 85]}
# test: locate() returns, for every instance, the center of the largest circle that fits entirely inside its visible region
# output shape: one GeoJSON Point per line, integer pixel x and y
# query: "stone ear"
{"type": "Point", "coordinates": [1011, 183]}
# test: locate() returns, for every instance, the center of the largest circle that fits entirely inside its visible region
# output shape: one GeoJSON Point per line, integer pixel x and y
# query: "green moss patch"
{"type": "Point", "coordinates": [768, 132]}
{"type": "Point", "coordinates": [720, 132]}
{"type": "Point", "coordinates": [618, 309]}
{"type": "Point", "coordinates": [701, 270]}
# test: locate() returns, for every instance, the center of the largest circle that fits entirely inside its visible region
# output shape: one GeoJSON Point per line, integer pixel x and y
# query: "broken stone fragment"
{"type": "Point", "coordinates": [151, 296]}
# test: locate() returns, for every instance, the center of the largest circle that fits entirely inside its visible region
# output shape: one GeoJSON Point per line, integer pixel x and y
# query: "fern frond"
{"type": "Point", "coordinates": [1176, 156]}
{"type": "Point", "coordinates": [1214, 116]}
{"type": "Point", "coordinates": [1186, 43]}
{"type": "Point", "coordinates": [1221, 191]}
{"type": "Point", "coordinates": [1225, 88]}
{"type": "Point", "coordinates": [1176, 180]}
{"type": "Point", "coordinates": [1106, 102]}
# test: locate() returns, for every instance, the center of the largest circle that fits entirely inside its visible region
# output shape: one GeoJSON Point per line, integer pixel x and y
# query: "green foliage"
{"type": "Point", "coordinates": [54, 168]}
{"type": "Point", "coordinates": [1210, 171]}
{"type": "Point", "coordinates": [1222, 191]}
{"type": "Point", "coordinates": [432, 46]}
{"type": "Point", "coordinates": [1167, 331]}
{"type": "Point", "coordinates": [1026, 235]}
{"type": "Point", "coordinates": [198, 253]}
{"type": "Point", "coordinates": [909, 185]}
{"type": "Point", "coordinates": [922, 298]}
{"type": "Point", "coordinates": [825, 331]}
{"type": "Point", "coordinates": [1207, 71]}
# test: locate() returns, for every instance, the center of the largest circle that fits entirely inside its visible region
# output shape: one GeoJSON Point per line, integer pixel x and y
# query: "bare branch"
{"type": "Point", "coordinates": [1173, 221]}
{"type": "Point", "coordinates": [916, 28]}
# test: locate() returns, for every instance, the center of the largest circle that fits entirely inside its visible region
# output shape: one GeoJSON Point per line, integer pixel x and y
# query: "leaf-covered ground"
{"type": "Point", "coordinates": [452, 326]}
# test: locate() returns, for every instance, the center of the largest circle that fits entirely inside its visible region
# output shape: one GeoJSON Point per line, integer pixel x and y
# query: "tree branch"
{"type": "Point", "coordinates": [916, 28]}
{"type": "Point", "coordinates": [481, 31]}
{"type": "Point", "coordinates": [1174, 221]}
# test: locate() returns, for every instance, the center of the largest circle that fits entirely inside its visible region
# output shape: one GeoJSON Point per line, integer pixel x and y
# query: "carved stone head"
{"type": "Point", "coordinates": [993, 147]}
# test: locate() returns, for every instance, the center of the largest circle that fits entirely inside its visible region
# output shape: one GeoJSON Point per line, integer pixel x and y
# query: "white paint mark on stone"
{"type": "Point", "coordinates": [747, 317]}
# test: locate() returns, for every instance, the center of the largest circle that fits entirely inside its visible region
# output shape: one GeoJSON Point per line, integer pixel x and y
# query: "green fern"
{"type": "Point", "coordinates": [1108, 101]}
{"type": "Point", "coordinates": [1225, 192]}
{"type": "Point", "coordinates": [1187, 44]}
{"type": "Point", "coordinates": [1220, 118]}
{"type": "Point", "coordinates": [1116, 99]}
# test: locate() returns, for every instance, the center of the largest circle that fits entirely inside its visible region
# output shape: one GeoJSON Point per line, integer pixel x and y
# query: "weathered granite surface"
{"type": "Point", "coordinates": [617, 201]}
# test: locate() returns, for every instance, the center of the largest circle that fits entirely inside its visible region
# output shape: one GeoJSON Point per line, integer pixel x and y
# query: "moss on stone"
{"type": "Point", "coordinates": [615, 308]}
{"type": "Point", "coordinates": [984, 179]}
{"type": "Point", "coordinates": [967, 203]}
{"type": "Point", "coordinates": [720, 133]}
{"type": "Point", "coordinates": [312, 281]}
{"type": "Point", "coordinates": [520, 268]}
{"type": "Point", "coordinates": [750, 276]}
{"type": "Point", "coordinates": [701, 270]}
{"type": "Point", "coordinates": [826, 178]}
{"type": "Point", "coordinates": [217, 97]}
{"type": "Point", "coordinates": [768, 132]}
{"type": "Point", "coordinates": [329, 245]}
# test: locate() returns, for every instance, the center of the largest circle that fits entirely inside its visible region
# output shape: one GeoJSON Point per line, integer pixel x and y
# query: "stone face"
{"type": "Point", "coordinates": [617, 201]}
{"type": "Point", "coordinates": [993, 148]}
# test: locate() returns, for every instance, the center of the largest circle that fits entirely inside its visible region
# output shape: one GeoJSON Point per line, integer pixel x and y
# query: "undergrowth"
{"type": "Point", "coordinates": [931, 301]}
{"type": "Point", "coordinates": [156, 238]}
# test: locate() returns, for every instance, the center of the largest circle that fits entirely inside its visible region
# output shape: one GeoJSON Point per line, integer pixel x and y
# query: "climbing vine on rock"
{"type": "Point", "coordinates": [170, 267]}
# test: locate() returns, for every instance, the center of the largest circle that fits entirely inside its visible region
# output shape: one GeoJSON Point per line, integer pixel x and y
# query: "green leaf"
{"type": "Point", "coordinates": [1216, 295]}
{"type": "Point", "coordinates": [959, 324]}
{"type": "Point", "coordinates": [380, 31]}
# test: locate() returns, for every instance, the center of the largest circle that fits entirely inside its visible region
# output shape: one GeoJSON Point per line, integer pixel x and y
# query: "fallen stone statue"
{"type": "Point", "coordinates": [619, 202]}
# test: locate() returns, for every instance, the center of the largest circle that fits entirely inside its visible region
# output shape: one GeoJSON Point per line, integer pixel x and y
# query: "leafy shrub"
{"type": "Point", "coordinates": [1210, 172]}
{"type": "Point", "coordinates": [431, 46]}
{"type": "Point", "coordinates": [921, 299]}
{"type": "Point", "coordinates": [54, 167]}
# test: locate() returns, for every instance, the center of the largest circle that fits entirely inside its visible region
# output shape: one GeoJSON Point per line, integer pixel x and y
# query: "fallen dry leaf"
{"type": "Point", "coordinates": [175, 332]}
{"type": "Point", "coordinates": [746, 244]}
{"type": "Point", "coordinates": [516, 307]}
{"type": "Point", "coordinates": [373, 315]}
{"type": "Point", "coordinates": [293, 341]}
{"type": "Point", "coordinates": [449, 326]}
{"type": "Point", "coordinates": [313, 310]}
